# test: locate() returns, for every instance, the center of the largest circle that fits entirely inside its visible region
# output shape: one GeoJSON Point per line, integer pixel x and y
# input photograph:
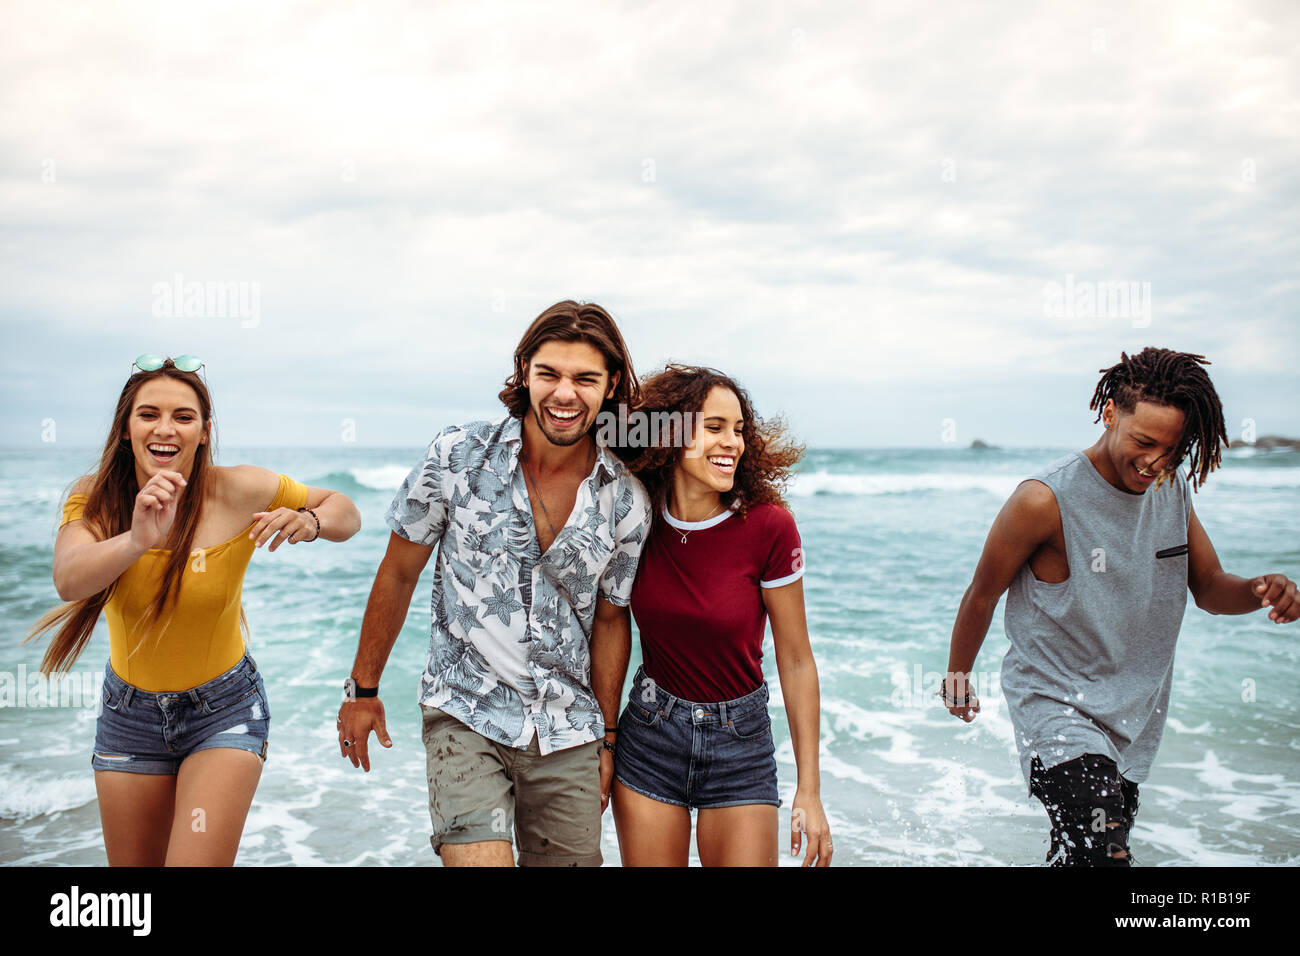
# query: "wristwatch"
{"type": "Point", "coordinates": [351, 691]}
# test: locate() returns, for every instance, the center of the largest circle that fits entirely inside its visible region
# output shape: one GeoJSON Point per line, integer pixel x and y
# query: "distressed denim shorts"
{"type": "Point", "coordinates": [142, 732]}
{"type": "Point", "coordinates": [694, 754]}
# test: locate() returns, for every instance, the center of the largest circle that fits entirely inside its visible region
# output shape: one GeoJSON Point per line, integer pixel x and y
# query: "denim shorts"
{"type": "Point", "coordinates": [693, 754]}
{"type": "Point", "coordinates": [142, 732]}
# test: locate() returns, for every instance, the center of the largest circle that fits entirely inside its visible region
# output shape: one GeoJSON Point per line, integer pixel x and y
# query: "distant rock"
{"type": "Point", "coordinates": [1271, 442]}
{"type": "Point", "coordinates": [978, 445]}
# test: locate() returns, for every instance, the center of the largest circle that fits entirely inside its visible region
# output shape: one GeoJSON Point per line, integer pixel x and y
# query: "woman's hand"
{"type": "Point", "coordinates": [807, 817]}
{"type": "Point", "coordinates": [155, 509]}
{"type": "Point", "coordinates": [284, 524]}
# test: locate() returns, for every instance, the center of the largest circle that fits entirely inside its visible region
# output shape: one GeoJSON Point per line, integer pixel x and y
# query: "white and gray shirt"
{"type": "Point", "coordinates": [1092, 657]}
{"type": "Point", "coordinates": [509, 652]}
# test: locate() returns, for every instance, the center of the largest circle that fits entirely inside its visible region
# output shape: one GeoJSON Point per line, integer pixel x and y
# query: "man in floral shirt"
{"type": "Point", "coordinates": [539, 530]}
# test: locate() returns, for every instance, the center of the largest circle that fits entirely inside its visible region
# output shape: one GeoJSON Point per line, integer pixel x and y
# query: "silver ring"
{"type": "Point", "coordinates": [347, 743]}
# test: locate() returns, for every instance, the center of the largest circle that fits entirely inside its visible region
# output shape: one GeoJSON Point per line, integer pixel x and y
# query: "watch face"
{"type": "Point", "coordinates": [349, 689]}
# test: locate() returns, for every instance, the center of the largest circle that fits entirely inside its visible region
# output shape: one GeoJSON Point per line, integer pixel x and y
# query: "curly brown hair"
{"type": "Point", "coordinates": [764, 467]}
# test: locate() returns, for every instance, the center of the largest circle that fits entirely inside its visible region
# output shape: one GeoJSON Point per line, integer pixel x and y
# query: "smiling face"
{"type": "Point", "coordinates": [166, 428]}
{"type": "Point", "coordinates": [1140, 444]}
{"type": "Point", "coordinates": [719, 444]}
{"type": "Point", "coordinates": [567, 382]}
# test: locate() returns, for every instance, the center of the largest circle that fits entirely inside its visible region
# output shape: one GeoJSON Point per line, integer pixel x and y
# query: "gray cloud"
{"type": "Point", "coordinates": [856, 208]}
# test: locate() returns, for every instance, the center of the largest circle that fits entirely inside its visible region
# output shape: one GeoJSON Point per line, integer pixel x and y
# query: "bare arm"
{"type": "Point", "coordinates": [801, 691]}
{"type": "Point", "coordinates": [390, 598]}
{"type": "Point", "coordinates": [1028, 519]}
{"type": "Point", "coordinates": [611, 647]}
{"type": "Point", "coordinates": [84, 565]}
{"type": "Point", "coordinates": [1217, 591]}
{"type": "Point", "coordinates": [251, 487]}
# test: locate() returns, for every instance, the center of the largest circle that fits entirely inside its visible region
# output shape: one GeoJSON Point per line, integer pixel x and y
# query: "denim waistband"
{"type": "Point", "coordinates": [246, 667]}
{"type": "Point", "coordinates": [643, 686]}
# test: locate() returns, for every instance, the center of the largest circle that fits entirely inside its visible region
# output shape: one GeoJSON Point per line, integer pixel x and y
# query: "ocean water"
{"type": "Point", "coordinates": [891, 539]}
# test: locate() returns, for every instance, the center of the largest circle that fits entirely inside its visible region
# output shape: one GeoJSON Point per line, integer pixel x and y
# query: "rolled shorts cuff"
{"type": "Point", "coordinates": [538, 859]}
{"type": "Point", "coordinates": [461, 837]}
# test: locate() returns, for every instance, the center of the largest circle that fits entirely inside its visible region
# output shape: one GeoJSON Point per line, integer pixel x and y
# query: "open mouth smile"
{"type": "Point", "coordinates": [563, 417]}
{"type": "Point", "coordinates": [163, 452]}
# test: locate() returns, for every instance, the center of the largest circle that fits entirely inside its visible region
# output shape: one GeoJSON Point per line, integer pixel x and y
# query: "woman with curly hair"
{"type": "Point", "coordinates": [722, 556]}
{"type": "Point", "coordinates": [158, 539]}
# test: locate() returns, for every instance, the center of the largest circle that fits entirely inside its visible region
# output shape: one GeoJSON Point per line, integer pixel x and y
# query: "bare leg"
{"type": "Point", "coordinates": [485, 853]}
{"type": "Point", "coordinates": [214, 790]}
{"type": "Point", "coordinates": [650, 832]}
{"type": "Point", "coordinates": [135, 810]}
{"type": "Point", "coordinates": [738, 836]}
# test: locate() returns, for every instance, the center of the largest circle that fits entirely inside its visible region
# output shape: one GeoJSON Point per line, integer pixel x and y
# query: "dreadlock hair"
{"type": "Point", "coordinates": [1176, 379]}
{"type": "Point", "coordinates": [763, 468]}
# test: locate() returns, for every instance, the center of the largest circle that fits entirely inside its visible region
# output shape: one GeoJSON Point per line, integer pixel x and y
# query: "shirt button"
{"type": "Point", "coordinates": [699, 713]}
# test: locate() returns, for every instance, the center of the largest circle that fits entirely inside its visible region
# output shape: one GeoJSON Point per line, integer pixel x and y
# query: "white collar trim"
{"type": "Point", "coordinates": [700, 525]}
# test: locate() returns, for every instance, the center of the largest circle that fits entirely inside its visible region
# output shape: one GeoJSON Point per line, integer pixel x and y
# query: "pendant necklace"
{"type": "Point", "coordinates": [684, 534]}
{"type": "Point", "coordinates": [542, 501]}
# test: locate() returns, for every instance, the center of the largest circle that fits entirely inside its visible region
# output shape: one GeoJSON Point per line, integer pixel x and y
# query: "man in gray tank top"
{"type": "Point", "coordinates": [1098, 551]}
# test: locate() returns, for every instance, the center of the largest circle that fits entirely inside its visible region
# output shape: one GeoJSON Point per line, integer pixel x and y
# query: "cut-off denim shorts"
{"type": "Point", "coordinates": [694, 754]}
{"type": "Point", "coordinates": [142, 732]}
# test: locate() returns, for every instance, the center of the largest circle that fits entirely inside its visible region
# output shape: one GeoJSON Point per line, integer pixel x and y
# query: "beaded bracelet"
{"type": "Point", "coordinates": [942, 694]}
{"type": "Point", "coordinates": [314, 518]}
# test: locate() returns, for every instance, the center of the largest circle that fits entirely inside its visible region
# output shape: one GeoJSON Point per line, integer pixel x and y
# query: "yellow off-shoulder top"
{"type": "Point", "coordinates": [201, 639]}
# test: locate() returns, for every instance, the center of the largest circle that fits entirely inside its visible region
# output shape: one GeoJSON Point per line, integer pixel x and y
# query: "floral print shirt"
{"type": "Point", "coordinates": [509, 647]}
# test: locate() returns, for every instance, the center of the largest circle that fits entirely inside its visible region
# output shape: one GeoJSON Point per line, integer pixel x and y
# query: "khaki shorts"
{"type": "Point", "coordinates": [481, 790]}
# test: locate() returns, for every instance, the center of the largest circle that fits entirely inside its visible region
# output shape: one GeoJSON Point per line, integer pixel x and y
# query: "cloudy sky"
{"type": "Point", "coordinates": [870, 215]}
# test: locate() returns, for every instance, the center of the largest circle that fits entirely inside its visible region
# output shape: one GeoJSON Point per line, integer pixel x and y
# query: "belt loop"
{"type": "Point", "coordinates": [668, 707]}
{"type": "Point", "coordinates": [722, 714]}
{"type": "Point", "coordinates": [194, 695]}
{"type": "Point", "coordinates": [130, 692]}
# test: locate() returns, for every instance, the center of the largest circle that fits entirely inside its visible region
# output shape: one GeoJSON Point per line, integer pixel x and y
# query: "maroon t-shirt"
{"type": "Point", "coordinates": [698, 602]}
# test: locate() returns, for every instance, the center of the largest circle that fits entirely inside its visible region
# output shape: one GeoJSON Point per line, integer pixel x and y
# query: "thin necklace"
{"type": "Point", "coordinates": [685, 533]}
{"type": "Point", "coordinates": [591, 453]}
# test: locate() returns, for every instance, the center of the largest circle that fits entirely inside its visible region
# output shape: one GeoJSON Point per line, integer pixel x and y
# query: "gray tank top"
{"type": "Point", "coordinates": [1092, 657]}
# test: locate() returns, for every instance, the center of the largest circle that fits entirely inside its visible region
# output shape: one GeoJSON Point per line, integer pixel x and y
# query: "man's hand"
{"type": "Point", "coordinates": [606, 776]}
{"type": "Point", "coordinates": [957, 687]}
{"type": "Point", "coordinates": [807, 817]}
{"type": "Point", "coordinates": [355, 721]}
{"type": "Point", "coordinates": [1279, 592]}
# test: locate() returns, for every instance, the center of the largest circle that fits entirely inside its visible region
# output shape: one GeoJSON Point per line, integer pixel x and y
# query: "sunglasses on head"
{"type": "Point", "coordinates": [151, 363]}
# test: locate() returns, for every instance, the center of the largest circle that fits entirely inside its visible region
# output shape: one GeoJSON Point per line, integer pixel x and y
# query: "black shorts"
{"type": "Point", "coordinates": [1091, 809]}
